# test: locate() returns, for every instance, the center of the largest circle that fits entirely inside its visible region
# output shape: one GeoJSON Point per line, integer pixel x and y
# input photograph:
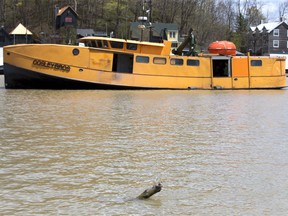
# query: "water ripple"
{"type": "Point", "coordinates": [93, 152]}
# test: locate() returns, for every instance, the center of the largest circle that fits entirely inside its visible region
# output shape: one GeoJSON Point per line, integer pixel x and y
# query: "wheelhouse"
{"type": "Point", "coordinates": [127, 46]}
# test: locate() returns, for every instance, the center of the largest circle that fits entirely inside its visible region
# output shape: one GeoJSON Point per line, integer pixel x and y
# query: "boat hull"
{"type": "Point", "coordinates": [19, 78]}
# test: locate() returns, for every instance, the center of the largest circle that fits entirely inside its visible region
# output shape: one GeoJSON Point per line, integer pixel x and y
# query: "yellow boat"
{"type": "Point", "coordinates": [109, 63]}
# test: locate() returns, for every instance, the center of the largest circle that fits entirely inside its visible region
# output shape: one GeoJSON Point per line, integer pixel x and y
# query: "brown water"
{"type": "Point", "coordinates": [92, 152]}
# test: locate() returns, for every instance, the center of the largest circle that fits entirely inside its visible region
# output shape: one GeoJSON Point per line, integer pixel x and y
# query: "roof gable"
{"type": "Point", "coordinates": [63, 9]}
{"type": "Point", "coordinates": [20, 30]}
{"type": "Point", "coordinates": [269, 26]}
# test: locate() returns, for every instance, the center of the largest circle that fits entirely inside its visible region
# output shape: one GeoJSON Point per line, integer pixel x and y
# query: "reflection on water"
{"type": "Point", "coordinates": [92, 152]}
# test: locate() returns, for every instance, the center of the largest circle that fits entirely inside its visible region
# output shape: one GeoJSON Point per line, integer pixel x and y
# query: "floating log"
{"type": "Point", "coordinates": [151, 191]}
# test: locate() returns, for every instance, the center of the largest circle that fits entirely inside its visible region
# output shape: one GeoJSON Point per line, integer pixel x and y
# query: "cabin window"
{"type": "Point", "coordinates": [158, 60]}
{"type": "Point", "coordinates": [256, 63]}
{"type": "Point", "coordinates": [276, 32]}
{"type": "Point", "coordinates": [131, 46]}
{"type": "Point", "coordinates": [99, 43]}
{"type": "Point", "coordinates": [276, 43]}
{"type": "Point", "coordinates": [142, 59]}
{"type": "Point", "coordinates": [116, 44]}
{"type": "Point", "coordinates": [175, 61]}
{"type": "Point", "coordinates": [105, 43]}
{"type": "Point", "coordinates": [193, 62]}
{"type": "Point", "coordinates": [91, 43]}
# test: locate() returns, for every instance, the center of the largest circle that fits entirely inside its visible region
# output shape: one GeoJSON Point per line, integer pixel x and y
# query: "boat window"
{"type": "Point", "coordinates": [193, 62]}
{"type": "Point", "coordinates": [116, 44]}
{"type": "Point", "coordinates": [105, 43]}
{"type": "Point", "coordinates": [75, 51]}
{"type": "Point", "coordinates": [142, 59]}
{"type": "Point", "coordinates": [91, 43]}
{"type": "Point", "coordinates": [158, 60]}
{"type": "Point", "coordinates": [131, 46]}
{"type": "Point", "coordinates": [256, 63]}
{"type": "Point", "coordinates": [99, 43]}
{"type": "Point", "coordinates": [175, 61]}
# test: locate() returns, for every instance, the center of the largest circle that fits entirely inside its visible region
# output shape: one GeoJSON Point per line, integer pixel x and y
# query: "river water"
{"type": "Point", "coordinates": [92, 152]}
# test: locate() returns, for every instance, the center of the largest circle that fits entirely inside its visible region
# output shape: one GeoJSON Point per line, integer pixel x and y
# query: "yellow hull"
{"type": "Point", "coordinates": [50, 66]}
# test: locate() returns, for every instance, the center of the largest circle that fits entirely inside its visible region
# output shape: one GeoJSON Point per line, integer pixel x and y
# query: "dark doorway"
{"type": "Point", "coordinates": [122, 63]}
{"type": "Point", "coordinates": [221, 68]}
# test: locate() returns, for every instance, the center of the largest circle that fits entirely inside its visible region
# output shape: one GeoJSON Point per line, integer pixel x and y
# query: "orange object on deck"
{"type": "Point", "coordinates": [222, 48]}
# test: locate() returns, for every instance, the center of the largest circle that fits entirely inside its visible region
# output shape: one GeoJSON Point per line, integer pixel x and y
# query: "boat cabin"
{"type": "Point", "coordinates": [127, 46]}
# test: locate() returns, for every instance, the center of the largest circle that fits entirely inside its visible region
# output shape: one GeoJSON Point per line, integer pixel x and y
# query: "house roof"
{"type": "Point", "coordinates": [268, 26]}
{"type": "Point", "coordinates": [85, 32]}
{"type": "Point", "coordinates": [157, 28]}
{"type": "Point", "coordinates": [63, 9]}
{"type": "Point", "coordinates": [20, 30]}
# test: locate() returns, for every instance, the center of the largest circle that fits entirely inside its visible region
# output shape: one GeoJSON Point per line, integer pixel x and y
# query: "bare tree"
{"type": "Point", "coordinates": [283, 9]}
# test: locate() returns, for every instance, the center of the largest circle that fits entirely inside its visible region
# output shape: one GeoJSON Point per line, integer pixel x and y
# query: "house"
{"type": "Point", "coordinates": [155, 32]}
{"type": "Point", "coordinates": [21, 35]}
{"type": "Point", "coordinates": [85, 32]}
{"type": "Point", "coordinates": [269, 38]}
{"type": "Point", "coordinates": [90, 32]}
{"type": "Point", "coordinates": [66, 16]}
{"type": "Point", "coordinates": [5, 38]}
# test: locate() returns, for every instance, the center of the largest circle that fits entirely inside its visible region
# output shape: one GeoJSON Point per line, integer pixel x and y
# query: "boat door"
{"type": "Point", "coordinates": [221, 72]}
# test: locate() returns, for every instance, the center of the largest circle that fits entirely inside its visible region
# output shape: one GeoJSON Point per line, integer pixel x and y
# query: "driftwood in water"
{"type": "Point", "coordinates": [151, 191]}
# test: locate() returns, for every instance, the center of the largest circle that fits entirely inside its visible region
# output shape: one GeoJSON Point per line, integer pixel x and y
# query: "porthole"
{"type": "Point", "coordinates": [75, 51]}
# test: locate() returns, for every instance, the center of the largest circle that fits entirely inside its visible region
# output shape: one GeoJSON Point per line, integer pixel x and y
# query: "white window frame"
{"type": "Point", "coordinates": [276, 32]}
{"type": "Point", "coordinates": [276, 43]}
{"type": "Point", "coordinates": [172, 34]}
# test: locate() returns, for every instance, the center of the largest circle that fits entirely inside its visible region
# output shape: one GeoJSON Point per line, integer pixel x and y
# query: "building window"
{"type": "Point", "coordinates": [276, 32]}
{"type": "Point", "coordinates": [142, 59]}
{"type": "Point", "coordinates": [158, 60]}
{"type": "Point", "coordinates": [174, 45]}
{"type": "Point", "coordinates": [276, 43]}
{"type": "Point", "coordinates": [256, 63]}
{"type": "Point", "coordinates": [175, 61]}
{"type": "Point", "coordinates": [68, 19]}
{"type": "Point", "coordinates": [172, 34]}
{"type": "Point", "coordinates": [193, 62]}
